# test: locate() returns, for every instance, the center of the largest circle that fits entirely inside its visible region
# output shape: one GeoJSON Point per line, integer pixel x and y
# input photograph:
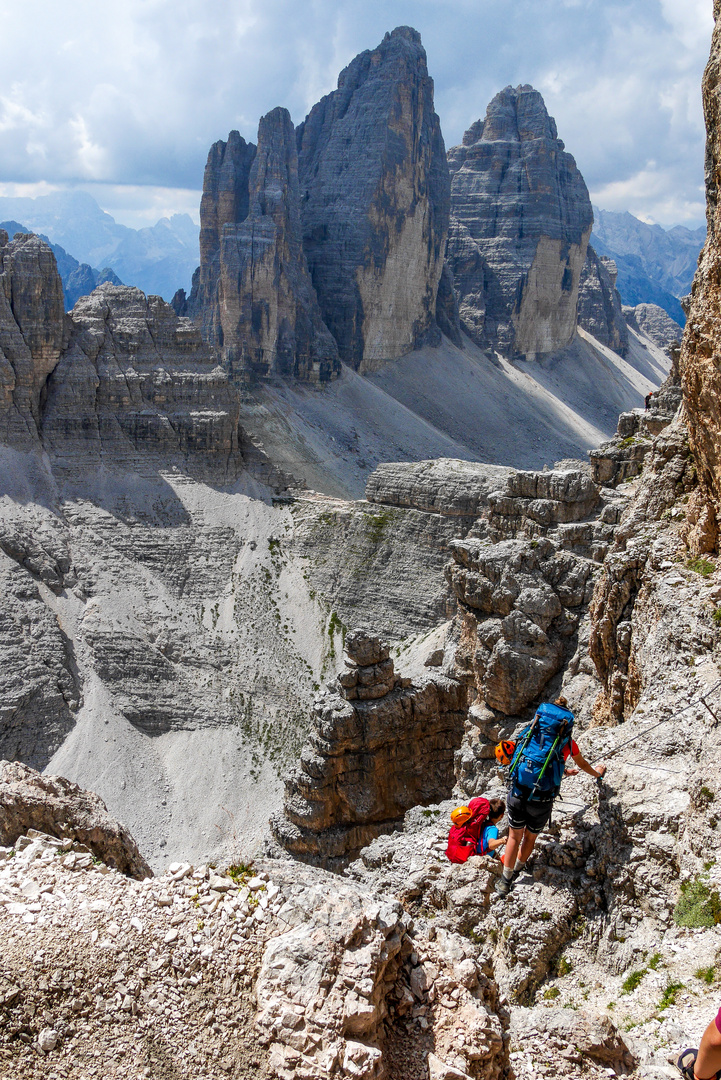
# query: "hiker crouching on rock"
{"type": "Point", "coordinates": [489, 841]}
{"type": "Point", "coordinates": [536, 771]}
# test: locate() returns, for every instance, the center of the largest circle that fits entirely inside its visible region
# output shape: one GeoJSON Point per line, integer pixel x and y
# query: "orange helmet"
{"type": "Point", "coordinates": [505, 751]}
{"type": "Point", "coordinates": [461, 815]}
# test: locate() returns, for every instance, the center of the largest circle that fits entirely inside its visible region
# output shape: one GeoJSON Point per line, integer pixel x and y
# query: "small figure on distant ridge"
{"type": "Point", "coordinates": [536, 770]}
{"type": "Point", "coordinates": [647, 400]}
{"type": "Point", "coordinates": [700, 1064]}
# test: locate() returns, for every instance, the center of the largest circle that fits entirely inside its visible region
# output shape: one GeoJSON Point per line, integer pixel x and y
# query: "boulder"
{"type": "Point", "coordinates": [56, 806]}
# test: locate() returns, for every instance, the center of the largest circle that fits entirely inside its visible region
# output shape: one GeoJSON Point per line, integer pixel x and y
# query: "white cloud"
{"type": "Point", "coordinates": [131, 93]}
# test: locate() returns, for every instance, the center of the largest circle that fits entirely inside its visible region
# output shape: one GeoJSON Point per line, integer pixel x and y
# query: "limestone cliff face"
{"type": "Point", "coordinates": [701, 348]}
{"type": "Point", "coordinates": [374, 202]}
{"type": "Point", "coordinates": [32, 325]}
{"type": "Point", "coordinates": [224, 202]}
{"type": "Point", "coordinates": [270, 319]}
{"type": "Point", "coordinates": [520, 222]}
{"type": "Point", "coordinates": [599, 303]}
{"type": "Point", "coordinates": [378, 746]}
{"type": "Point", "coordinates": [136, 383]}
{"type": "Point", "coordinates": [253, 294]}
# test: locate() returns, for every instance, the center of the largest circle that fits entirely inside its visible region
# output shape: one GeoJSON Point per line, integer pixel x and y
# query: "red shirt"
{"type": "Point", "coordinates": [572, 750]}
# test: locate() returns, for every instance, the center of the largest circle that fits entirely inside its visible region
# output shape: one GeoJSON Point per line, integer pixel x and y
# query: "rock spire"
{"type": "Point", "coordinates": [253, 290]}
{"type": "Point", "coordinates": [375, 202]}
{"type": "Point", "coordinates": [520, 222]}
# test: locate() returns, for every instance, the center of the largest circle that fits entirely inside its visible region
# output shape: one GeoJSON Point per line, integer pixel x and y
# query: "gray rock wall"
{"type": "Point", "coordinates": [599, 303]}
{"type": "Point", "coordinates": [32, 326]}
{"type": "Point", "coordinates": [520, 222]}
{"type": "Point", "coordinates": [374, 202]}
{"type": "Point", "coordinates": [270, 320]}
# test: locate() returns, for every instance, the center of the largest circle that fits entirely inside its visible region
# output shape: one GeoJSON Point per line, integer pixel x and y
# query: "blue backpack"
{"type": "Point", "coordinates": [538, 762]}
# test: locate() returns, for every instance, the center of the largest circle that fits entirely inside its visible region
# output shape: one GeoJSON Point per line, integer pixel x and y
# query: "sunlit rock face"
{"type": "Point", "coordinates": [520, 222]}
{"type": "Point", "coordinates": [374, 202]}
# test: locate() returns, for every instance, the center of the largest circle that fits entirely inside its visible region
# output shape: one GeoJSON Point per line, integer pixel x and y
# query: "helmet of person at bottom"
{"type": "Point", "coordinates": [505, 751]}
{"type": "Point", "coordinates": [461, 815]}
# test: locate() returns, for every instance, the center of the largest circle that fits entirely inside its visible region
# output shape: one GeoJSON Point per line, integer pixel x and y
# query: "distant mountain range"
{"type": "Point", "coordinates": [158, 259]}
{"type": "Point", "coordinates": [655, 265]}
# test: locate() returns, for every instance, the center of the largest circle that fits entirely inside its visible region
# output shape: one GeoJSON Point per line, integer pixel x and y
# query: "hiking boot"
{"type": "Point", "coordinates": [686, 1063]}
{"type": "Point", "coordinates": [504, 886]}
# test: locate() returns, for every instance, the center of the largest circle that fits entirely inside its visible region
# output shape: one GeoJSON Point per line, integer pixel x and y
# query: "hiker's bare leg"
{"type": "Point", "coordinates": [529, 842]}
{"type": "Point", "coordinates": [513, 845]}
{"type": "Point", "coordinates": [708, 1059]}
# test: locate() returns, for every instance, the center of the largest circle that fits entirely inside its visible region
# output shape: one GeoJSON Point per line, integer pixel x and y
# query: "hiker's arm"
{"type": "Point", "coordinates": [493, 844]}
{"type": "Point", "coordinates": [585, 767]}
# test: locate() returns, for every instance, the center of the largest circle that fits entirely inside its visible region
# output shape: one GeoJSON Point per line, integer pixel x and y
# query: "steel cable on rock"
{"type": "Point", "coordinates": [701, 699]}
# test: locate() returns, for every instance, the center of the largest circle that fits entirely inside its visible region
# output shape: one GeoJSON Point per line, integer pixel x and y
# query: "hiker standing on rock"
{"type": "Point", "coordinates": [536, 771]}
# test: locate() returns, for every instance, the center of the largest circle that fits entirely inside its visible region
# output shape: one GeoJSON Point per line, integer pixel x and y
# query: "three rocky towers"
{"type": "Point", "coordinates": [355, 238]}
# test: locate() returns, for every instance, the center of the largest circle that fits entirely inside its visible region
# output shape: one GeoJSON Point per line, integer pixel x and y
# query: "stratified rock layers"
{"type": "Point", "coordinates": [701, 349]}
{"type": "Point", "coordinates": [377, 747]}
{"type": "Point", "coordinates": [255, 295]}
{"type": "Point", "coordinates": [32, 324]}
{"type": "Point", "coordinates": [520, 222]}
{"type": "Point", "coordinates": [599, 303]}
{"type": "Point", "coordinates": [54, 805]}
{"type": "Point", "coordinates": [136, 381]}
{"type": "Point", "coordinates": [375, 202]}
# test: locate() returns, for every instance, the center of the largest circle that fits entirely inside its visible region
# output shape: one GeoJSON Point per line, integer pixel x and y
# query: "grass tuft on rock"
{"type": "Point", "coordinates": [632, 981]}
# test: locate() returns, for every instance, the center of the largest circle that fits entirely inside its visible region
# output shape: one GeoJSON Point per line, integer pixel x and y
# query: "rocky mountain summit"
{"type": "Point", "coordinates": [520, 222]}
{"type": "Point", "coordinates": [375, 201]}
{"type": "Point", "coordinates": [367, 196]}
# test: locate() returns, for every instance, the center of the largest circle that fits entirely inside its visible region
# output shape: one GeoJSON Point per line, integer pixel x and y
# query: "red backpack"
{"type": "Point", "coordinates": [463, 839]}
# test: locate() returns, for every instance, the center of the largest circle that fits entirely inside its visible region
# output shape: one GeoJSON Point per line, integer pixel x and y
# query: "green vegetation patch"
{"type": "Point", "coordinates": [706, 975]}
{"type": "Point", "coordinates": [564, 966]}
{"type": "Point", "coordinates": [670, 995]}
{"type": "Point", "coordinates": [655, 960]}
{"type": "Point", "coordinates": [632, 981]}
{"type": "Point", "coordinates": [698, 905]}
{"type": "Point", "coordinates": [702, 566]}
{"type": "Point", "coordinates": [551, 993]}
{"type": "Point", "coordinates": [376, 525]}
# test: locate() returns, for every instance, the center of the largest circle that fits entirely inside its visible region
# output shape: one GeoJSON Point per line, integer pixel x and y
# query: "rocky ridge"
{"type": "Point", "coordinates": [378, 745]}
{"type": "Point", "coordinates": [288, 972]}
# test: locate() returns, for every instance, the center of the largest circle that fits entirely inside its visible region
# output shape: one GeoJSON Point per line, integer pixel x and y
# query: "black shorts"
{"type": "Point", "coordinates": [533, 816]}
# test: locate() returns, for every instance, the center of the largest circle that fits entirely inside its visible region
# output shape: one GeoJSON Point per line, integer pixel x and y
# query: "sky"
{"type": "Point", "coordinates": [123, 98]}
